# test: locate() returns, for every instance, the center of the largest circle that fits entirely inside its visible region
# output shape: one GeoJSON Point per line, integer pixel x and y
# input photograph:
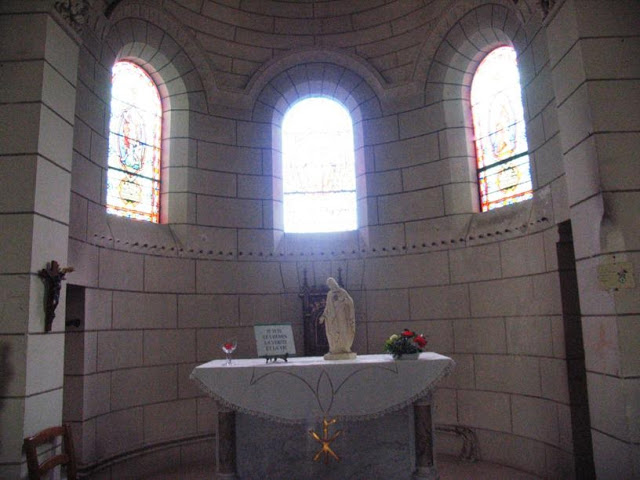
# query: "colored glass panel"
{"type": "Point", "coordinates": [133, 180]}
{"type": "Point", "coordinates": [500, 135]}
{"type": "Point", "coordinates": [318, 167]}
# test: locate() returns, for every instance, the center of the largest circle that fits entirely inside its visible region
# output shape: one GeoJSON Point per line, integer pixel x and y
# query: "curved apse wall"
{"type": "Point", "coordinates": [158, 298]}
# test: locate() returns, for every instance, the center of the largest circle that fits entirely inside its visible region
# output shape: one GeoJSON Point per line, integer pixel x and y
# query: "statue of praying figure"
{"type": "Point", "coordinates": [339, 319]}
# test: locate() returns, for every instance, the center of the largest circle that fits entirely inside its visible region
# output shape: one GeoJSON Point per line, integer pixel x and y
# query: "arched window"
{"type": "Point", "coordinates": [500, 136]}
{"type": "Point", "coordinates": [133, 179]}
{"type": "Point", "coordinates": [318, 167]}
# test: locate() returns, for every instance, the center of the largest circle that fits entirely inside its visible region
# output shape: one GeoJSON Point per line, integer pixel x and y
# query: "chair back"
{"type": "Point", "coordinates": [66, 458]}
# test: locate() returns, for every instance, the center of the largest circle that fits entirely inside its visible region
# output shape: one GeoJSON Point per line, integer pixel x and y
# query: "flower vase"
{"type": "Point", "coordinates": [408, 356]}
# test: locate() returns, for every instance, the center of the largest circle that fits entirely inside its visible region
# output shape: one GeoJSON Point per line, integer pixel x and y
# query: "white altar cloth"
{"type": "Point", "coordinates": [311, 388]}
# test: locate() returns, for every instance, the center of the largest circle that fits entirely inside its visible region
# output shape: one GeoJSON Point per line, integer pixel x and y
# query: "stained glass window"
{"type": "Point", "coordinates": [500, 136]}
{"type": "Point", "coordinates": [318, 167]}
{"type": "Point", "coordinates": [133, 180]}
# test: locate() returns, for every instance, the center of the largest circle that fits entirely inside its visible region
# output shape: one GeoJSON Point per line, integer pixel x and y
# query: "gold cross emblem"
{"type": "Point", "coordinates": [325, 440]}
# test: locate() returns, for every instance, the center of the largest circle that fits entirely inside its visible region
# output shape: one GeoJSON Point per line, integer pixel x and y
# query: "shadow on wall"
{"type": "Point", "coordinates": [7, 372]}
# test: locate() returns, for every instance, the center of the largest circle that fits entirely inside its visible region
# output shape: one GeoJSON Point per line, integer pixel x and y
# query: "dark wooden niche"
{"type": "Point", "coordinates": [314, 299]}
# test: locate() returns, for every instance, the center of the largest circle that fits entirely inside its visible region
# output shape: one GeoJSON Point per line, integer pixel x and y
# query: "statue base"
{"type": "Point", "coordinates": [340, 356]}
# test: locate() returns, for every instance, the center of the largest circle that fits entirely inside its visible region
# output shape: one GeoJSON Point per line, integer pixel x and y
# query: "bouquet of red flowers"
{"type": "Point", "coordinates": [406, 342]}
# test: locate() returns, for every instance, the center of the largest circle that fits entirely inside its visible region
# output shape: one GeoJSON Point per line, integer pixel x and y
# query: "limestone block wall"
{"type": "Point", "coordinates": [156, 300]}
{"type": "Point", "coordinates": [239, 39]}
{"type": "Point", "coordinates": [597, 85]}
{"type": "Point", "coordinates": [38, 58]}
{"type": "Point", "coordinates": [127, 365]}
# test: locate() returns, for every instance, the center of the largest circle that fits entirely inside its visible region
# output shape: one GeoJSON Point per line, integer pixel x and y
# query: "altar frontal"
{"type": "Point", "coordinates": [381, 405]}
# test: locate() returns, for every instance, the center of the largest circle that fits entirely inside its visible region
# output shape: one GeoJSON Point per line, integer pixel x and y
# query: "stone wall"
{"type": "Point", "coordinates": [600, 126]}
{"type": "Point", "coordinates": [488, 289]}
{"type": "Point", "coordinates": [38, 62]}
{"type": "Point", "coordinates": [158, 299]}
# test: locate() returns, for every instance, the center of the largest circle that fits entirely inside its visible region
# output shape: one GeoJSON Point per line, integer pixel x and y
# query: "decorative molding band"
{"type": "Point", "coordinates": [362, 251]}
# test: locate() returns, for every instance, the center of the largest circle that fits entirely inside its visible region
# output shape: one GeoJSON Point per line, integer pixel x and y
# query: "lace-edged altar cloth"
{"type": "Point", "coordinates": [310, 388]}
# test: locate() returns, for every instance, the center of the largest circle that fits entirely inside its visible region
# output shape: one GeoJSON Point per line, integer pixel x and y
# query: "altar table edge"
{"type": "Point", "coordinates": [306, 389]}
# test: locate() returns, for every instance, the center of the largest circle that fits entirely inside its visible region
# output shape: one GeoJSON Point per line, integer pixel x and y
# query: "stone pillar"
{"type": "Point", "coordinates": [38, 64]}
{"type": "Point", "coordinates": [593, 48]}
{"type": "Point", "coordinates": [424, 440]}
{"type": "Point", "coordinates": [226, 444]}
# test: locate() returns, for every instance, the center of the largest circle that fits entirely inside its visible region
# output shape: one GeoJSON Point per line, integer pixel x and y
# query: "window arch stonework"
{"type": "Point", "coordinates": [180, 89]}
{"type": "Point", "coordinates": [317, 79]}
{"type": "Point", "coordinates": [448, 82]}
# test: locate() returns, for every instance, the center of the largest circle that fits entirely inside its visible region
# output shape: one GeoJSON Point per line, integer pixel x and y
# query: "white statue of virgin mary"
{"type": "Point", "coordinates": [339, 319]}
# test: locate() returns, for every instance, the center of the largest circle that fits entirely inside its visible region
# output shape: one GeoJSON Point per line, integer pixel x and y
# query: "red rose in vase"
{"type": "Point", "coordinates": [406, 342]}
{"type": "Point", "coordinates": [420, 341]}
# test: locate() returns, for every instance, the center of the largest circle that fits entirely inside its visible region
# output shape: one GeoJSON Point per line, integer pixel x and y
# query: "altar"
{"type": "Point", "coordinates": [324, 419]}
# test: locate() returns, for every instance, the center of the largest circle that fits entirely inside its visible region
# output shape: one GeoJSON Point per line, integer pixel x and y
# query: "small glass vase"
{"type": "Point", "coordinates": [228, 347]}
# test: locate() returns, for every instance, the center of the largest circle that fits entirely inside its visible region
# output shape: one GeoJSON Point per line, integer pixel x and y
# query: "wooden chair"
{"type": "Point", "coordinates": [66, 458]}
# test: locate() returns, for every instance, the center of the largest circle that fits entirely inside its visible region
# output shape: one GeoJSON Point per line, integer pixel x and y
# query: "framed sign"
{"type": "Point", "coordinates": [274, 341]}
